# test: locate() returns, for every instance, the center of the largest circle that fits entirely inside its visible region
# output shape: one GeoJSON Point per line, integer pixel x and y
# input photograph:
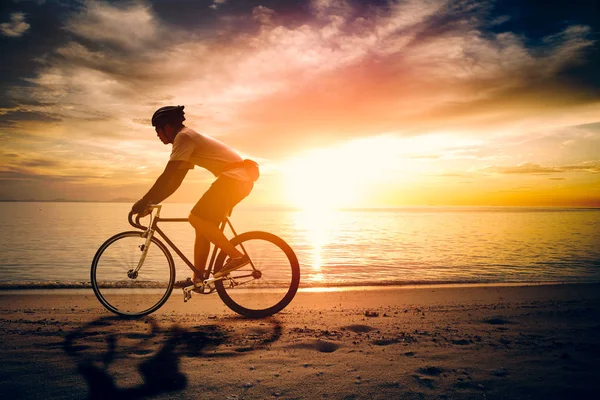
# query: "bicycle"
{"type": "Point", "coordinates": [133, 272]}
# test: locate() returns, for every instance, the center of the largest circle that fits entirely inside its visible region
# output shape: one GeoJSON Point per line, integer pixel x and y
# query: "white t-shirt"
{"type": "Point", "coordinates": [206, 152]}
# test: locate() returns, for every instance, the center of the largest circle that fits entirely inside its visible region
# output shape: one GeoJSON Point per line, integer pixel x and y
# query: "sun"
{"type": "Point", "coordinates": [336, 177]}
{"type": "Point", "coordinates": [318, 182]}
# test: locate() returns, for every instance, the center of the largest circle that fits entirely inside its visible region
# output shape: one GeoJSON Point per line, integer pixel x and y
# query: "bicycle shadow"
{"type": "Point", "coordinates": [109, 349]}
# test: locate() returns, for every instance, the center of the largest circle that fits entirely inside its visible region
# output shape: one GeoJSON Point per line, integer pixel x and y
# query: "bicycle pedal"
{"type": "Point", "coordinates": [187, 293]}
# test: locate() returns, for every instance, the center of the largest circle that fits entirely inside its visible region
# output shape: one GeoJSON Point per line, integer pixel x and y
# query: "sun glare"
{"type": "Point", "coordinates": [314, 184]}
{"type": "Point", "coordinates": [349, 175]}
{"type": "Point", "coordinates": [337, 177]}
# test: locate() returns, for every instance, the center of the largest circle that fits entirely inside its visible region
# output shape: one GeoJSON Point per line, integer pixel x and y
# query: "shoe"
{"type": "Point", "coordinates": [232, 264]}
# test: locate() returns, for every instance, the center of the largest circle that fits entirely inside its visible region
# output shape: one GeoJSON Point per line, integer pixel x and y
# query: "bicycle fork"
{"type": "Point", "coordinates": [132, 274]}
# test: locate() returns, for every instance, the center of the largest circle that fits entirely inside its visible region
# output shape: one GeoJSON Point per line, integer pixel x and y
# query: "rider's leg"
{"type": "Point", "coordinates": [212, 208]}
{"type": "Point", "coordinates": [201, 251]}
{"type": "Point", "coordinates": [207, 231]}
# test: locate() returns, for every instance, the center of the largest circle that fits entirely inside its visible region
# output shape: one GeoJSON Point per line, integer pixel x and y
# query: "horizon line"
{"type": "Point", "coordinates": [288, 207]}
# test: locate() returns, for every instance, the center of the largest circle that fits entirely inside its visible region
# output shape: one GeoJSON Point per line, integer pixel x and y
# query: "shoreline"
{"type": "Point", "coordinates": [407, 207]}
{"type": "Point", "coordinates": [85, 287]}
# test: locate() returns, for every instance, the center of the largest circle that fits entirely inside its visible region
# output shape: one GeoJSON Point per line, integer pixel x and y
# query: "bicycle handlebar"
{"type": "Point", "coordinates": [135, 224]}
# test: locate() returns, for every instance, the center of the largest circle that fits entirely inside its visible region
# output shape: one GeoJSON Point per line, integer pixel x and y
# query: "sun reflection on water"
{"type": "Point", "coordinates": [318, 227]}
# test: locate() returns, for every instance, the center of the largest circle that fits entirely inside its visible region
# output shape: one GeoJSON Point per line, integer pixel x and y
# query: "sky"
{"type": "Point", "coordinates": [342, 103]}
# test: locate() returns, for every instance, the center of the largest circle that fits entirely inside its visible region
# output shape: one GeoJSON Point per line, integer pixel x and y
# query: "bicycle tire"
{"type": "Point", "coordinates": [277, 286]}
{"type": "Point", "coordinates": [127, 296]}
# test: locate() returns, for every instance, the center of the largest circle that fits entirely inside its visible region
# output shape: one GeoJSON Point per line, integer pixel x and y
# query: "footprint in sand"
{"type": "Point", "coordinates": [359, 328]}
{"type": "Point", "coordinates": [496, 321]}
{"type": "Point", "coordinates": [384, 342]}
{"type": "Point", "coordinates": [366, 329]}
{"type": "Point", "coordinates": [136, 336]}
{"type": "Point", "coordinates": [323, 346]}
{"type": "Point", "coordinates": [431, 371]}
{"type": "Point", "coordinates": [142, 352]}
{"type": "Point", "coordinates": [424, 381]}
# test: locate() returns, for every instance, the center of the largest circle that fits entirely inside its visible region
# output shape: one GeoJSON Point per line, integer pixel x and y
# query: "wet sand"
{"type": "Point", "coordinates": [533, 342]}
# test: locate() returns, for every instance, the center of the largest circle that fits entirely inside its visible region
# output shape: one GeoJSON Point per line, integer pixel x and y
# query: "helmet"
{"type": "Point", "coordinates": [168, 114]}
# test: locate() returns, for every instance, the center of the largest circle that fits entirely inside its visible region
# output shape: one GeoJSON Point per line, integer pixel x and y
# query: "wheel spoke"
{"type": "Point", "coordinates": [132, 294]}
{"type": "Point", "coordinates": [278, 282]}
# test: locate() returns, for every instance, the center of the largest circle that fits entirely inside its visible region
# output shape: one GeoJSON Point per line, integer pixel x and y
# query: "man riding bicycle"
{"type": "Point", "coordinates": [235, 180]}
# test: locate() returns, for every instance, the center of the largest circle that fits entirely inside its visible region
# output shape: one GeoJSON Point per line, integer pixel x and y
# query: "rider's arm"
{"type": "Point", "coordinates": [168, 182]}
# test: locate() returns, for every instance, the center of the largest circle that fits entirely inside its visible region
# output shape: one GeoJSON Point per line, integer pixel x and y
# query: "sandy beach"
{"type": "Point", "coordinates": [496, 342]}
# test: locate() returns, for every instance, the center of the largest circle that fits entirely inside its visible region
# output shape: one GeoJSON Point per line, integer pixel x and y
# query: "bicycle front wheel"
{"type": "Point", "coordinates": [268, 284]}
{"type": "Point", "coordinates": [116, 284]}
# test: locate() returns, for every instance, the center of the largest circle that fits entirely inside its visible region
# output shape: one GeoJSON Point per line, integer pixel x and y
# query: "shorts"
{"type": "Point", "coordinates": [220, 198]}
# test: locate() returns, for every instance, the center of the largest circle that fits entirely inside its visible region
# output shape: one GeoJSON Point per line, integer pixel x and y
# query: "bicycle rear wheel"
{"type": "Point", "coordinates": [270, 286]}
{"type": "Point", "coordinates": [129, 294]}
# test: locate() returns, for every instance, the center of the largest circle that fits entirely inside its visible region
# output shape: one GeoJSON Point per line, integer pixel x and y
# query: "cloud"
{"type": "Point", "coordinates": [366, 74]}
{"type": "Point", "coordinates": [326, 9]}
{"type": "Point", "coordinates": [354, 73]}
{"type": "Point", "coordinates": [594, 126]}
{"type": "Point", "coordinates": [263, 15]}
{"type": "Point", "coordinates": [217, 3]}
{"type": "Point", "coordinates": [12, 117]}
{"type": "Point", "coordinates": [16, 27]}
{"type": "Point", "coordinates": [274, 83]}
{"type": "Point", "coordinates": [588, 166]}
{"type": "Point", "coordinates": [129, 28]}
{"type": "Point", "coordinates": [535, 169]}
{"type": "Point", "coordinates": [527, 168]}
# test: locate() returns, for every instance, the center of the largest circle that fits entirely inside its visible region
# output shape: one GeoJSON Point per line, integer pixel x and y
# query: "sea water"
{"type": "Point", "coordinates": [52, 244]}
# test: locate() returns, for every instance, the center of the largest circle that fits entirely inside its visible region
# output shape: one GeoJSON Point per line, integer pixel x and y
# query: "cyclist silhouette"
{"type": "Point", "coordinates": [235, 180]}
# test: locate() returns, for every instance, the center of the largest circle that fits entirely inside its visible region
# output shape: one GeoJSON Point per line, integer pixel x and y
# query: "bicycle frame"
{"type": "Point", "coordinates": [153, 227]}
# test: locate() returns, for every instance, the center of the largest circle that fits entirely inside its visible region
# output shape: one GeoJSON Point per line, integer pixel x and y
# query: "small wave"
{"type": "Point", "coordinates": [78, 285]}
{"type": "Point", "coordinates": [18, 285]}
{"type": "Point", "coordinates": [44, 285]}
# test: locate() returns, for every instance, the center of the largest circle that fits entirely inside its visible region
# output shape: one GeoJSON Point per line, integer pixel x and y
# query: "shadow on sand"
{"type": "Point", "coordinates": [124, 358]}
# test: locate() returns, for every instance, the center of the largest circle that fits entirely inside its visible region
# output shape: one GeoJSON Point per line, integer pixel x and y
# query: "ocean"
{"type": "Point", "coordinates": [52, 245]}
